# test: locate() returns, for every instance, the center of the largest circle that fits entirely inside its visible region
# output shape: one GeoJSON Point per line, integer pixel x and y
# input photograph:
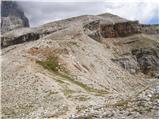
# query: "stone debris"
{"type": "Point", "coordinates": [90, 66]}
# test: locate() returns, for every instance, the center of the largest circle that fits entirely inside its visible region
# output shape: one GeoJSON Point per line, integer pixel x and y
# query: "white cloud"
{"type": "Point", "coordinates": [43, 12]}
{"type": "Point", "coordinates": [142, 11]}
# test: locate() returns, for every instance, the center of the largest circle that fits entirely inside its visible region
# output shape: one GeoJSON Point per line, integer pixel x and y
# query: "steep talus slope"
{"type": "Point", "coordinates": [136, 53]}
{"type": "Point", "coordinates": [63, 72]}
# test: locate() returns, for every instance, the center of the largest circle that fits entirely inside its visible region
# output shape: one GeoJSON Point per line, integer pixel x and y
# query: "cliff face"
{"type": "Point", "coordinates": [98, 30]}
{"type": "Point", "coordinates": [12, 16]}
{"type": "Point", "coordinates": [119, 29]}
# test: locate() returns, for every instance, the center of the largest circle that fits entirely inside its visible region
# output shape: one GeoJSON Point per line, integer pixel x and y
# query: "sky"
{"type": "Point", "coordinates": [47, 11]}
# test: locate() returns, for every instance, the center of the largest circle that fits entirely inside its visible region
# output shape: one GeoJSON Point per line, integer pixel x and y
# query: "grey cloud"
{"type": "Point", "coordinates": [42, 12]}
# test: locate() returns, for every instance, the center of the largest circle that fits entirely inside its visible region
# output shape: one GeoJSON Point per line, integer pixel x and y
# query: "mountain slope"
{"type": "Point", "coordinates": [82, 67]}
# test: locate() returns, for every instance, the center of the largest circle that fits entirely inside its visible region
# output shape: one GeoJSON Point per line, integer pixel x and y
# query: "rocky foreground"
{"type": "Point", "coordinates": [88, 66]}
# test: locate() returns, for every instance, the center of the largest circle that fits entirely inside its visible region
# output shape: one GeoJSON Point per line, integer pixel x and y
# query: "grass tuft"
{"type": "Point", "coordinates": [82, 85]}
{"type": "Point", "coordinates": [122, 104]}
{"type": "Point", "coordinates": [50, 64]}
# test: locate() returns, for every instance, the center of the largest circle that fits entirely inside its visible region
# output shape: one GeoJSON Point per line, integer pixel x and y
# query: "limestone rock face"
{"type": "Point", "coordinates": [12, 17]}
{"type": "Point", "coordinates": [98, 29]}
{"type": "Point", "coordinates": [148, 60]}
{"type": "Point", "coordinates": [149, 29]}
{"type": "Point", "coordinates": [120, 29]}
{"type": "Point", "coordinates": [145, 60]}
{"type": "Point", "coordinates": [141, 57]}
{"type": "Point", "coordinates": [18, 36]}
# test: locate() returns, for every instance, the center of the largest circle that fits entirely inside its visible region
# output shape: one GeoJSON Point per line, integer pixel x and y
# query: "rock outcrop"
{"type": "Point", "coordinates": [148, 60]}
{"type": "Point", "coordinates": [96, 29]}
{"type": "Point", "coordinates": [12, 16]}
{"type": "Point", "coordinates": [149, 29]}
{"type": "Point", "coordinates": [144, 60]}
{"type": "Point", "coordinates": [18, 36]}
{"type": "Point", "coordinates": [129, 64]}
{"type": "Point", "coordinates": [119, 29]}
{"type": "Point", "coordinates": [139, 54]}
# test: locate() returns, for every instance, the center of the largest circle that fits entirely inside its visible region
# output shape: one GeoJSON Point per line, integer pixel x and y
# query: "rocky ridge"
{"type": "Point", "coordinates": [12, 17]}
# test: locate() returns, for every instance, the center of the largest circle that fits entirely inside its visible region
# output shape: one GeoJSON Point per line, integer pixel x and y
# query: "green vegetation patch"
{"type": "Point", "coordinates": [53, 65]}
{"type": "Point", "coordinates": [82, 85]}
{"type": "Point", "coordinates": [81, 108]}
{"type": "Point", "coordinates": [122, 103]}
{"type": "Point", "coordinates": [51, 93]}
{"type": "Point", "coordinates": [68, 93]}
{"type": "Point", "coordinates": [82, 98]}
{"type": "Point", "coordinates": [50, 64]}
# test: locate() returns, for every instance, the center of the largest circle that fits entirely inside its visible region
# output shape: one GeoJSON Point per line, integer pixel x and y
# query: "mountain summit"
{"type": "Point", "coordinates": [12, 16]}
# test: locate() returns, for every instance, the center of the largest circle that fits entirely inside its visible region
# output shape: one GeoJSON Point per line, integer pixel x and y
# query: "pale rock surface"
{"type": "Point", "coordinates": [96, 86]}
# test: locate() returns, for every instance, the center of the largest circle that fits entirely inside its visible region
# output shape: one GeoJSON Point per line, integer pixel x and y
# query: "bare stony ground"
{"type": "Point", "coordinates": [67, 74]}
